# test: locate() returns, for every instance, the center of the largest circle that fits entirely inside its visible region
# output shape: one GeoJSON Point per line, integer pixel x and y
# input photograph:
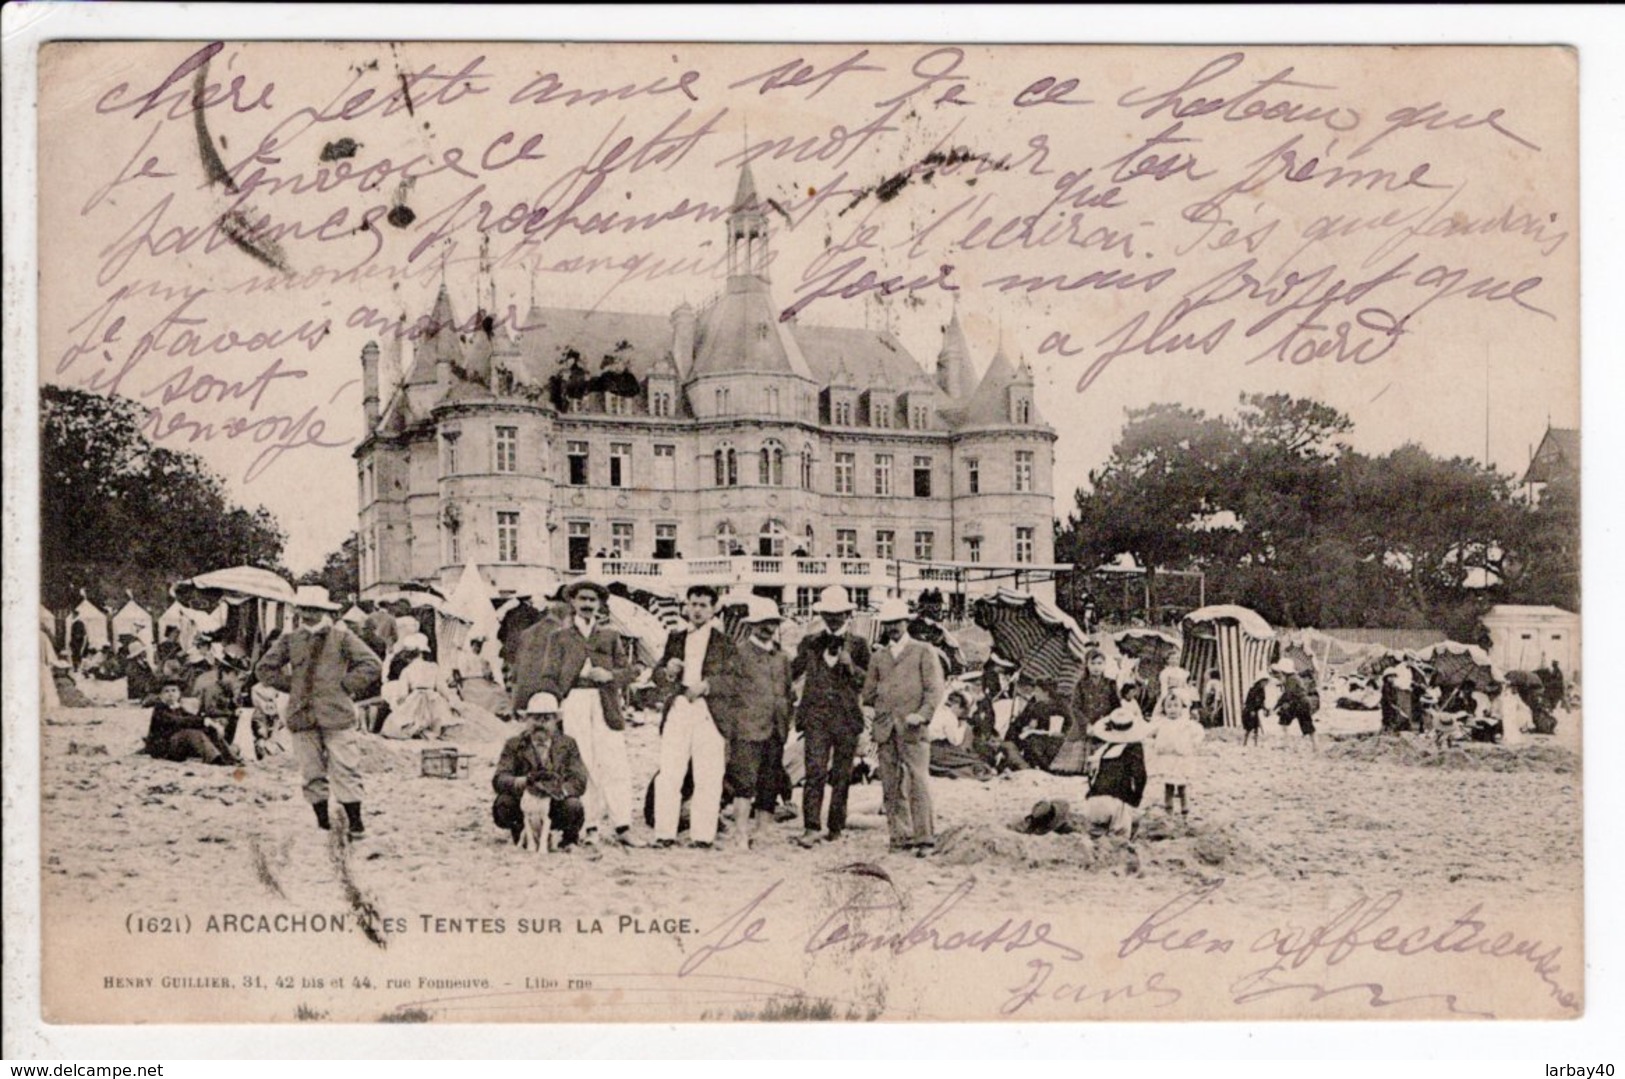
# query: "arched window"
{"type": "Point", "coordinates": [771, 472]}
{"type": "Point", "coordinates": [770, 540]}
{"type": "Point", "coordinates": [807, 470]}
{"type": "Point", "coordinates": [722, 400]}
{"type": "Point", "coordinates": [726, 462]}
{"type": "Point", "coordinates": [727, 539]}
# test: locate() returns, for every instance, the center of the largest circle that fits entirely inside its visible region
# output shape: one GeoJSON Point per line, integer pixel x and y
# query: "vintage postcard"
{"type": "Point", "coordinates": [677, 532]}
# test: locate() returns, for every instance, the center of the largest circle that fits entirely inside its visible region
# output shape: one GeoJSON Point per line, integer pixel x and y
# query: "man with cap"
{"type": "Point", "coordinates": [323, 667]}
{"type": "Point", "coordinates": [831, 665]}
{"type": "Point", "coordinates": [700, 668]}
{"type": "Point", "coordinates": [586, 664]}
{"type": "Point", "coordinates": [904, 687]}
{"type": "Point", "coordinates": [762, 717]}
{"type": "Point", "coordinates": [547, 762]}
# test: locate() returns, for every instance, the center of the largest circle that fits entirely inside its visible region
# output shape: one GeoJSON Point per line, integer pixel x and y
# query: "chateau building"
{"type": "Point", "coordinates": [716, 444]}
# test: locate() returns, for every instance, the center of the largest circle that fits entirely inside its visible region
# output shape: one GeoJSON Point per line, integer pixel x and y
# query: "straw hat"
{"type": "Point", "coordinates": [542, 704]}
{"type": "Point", "coordinates": [575, 588]}
{"type": "Point", "coordinates": [834, 600]}
{"type": "Point", "coordinates": [313, 597]}
{"type": "Point", "coordinates": [1117, 731]}
{"type": "Point", "coordinates": [893, 610]}
{"type": "Point", "coordinates": [418, 642]}
{"type": "Point", "coordinates": [761, 609]}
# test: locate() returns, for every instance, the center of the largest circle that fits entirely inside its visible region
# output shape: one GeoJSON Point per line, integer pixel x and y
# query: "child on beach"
{"type": "Point", "coordinates": [1174, 744]}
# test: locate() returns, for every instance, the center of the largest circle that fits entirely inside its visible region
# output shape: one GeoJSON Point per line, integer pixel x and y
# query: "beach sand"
{"type": "Point", "coordinates": [1280, 838]}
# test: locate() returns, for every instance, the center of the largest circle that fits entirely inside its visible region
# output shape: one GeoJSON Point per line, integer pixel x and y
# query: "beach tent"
{"type": "Point", "coordinates": [132, 618]}
{"type": "Point", "coordinates": [355, 616]}
{"type": "Point", "coordinates": [97, 633]}
{"type": "Point", "coordinates": [1044, 641]}
{"type": "Point", "coordinates": [1454, 663]}
{"type": "Point", "coordinates": [640, 626]}
{"type": "Point", "coordinates": [1233, 640]}
{"type": "Point", "coordinates": [466, 614]}
{"type": "Point", "coordinates": [1149, 652]}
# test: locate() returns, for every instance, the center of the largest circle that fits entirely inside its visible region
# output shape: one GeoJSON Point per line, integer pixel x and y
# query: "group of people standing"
{"type": "Point", "coordinates": [727, 711]}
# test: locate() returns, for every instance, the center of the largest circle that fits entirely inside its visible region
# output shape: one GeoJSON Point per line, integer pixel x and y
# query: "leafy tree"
{"type": "Point", "coordinates": [118, 514]}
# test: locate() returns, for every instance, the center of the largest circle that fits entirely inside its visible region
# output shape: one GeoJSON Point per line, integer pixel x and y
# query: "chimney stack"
{"type": "Point", "coordinates": [369, 384]}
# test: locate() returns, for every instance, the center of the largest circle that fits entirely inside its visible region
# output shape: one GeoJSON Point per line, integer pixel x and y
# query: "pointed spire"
{"type": "Point", "coordinates": [954, 376]}
{"type": "Point", "coordinates": [745, 197]}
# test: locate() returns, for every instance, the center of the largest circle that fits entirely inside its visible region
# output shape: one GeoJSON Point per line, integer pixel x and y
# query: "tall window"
{"type": "Point", "coordinates": [925, 546]}
{"type": "Point", "coordinates": [578, 464]}
{"type": "Point", "coordinates": [506, 450]}
{"type": "Point", "coordinates": [727, 540]}
{"type": "Point", "coordinates": [722, 400]}
{"type": "Point", "coordinates": [580, 533]}
{"type": "Point", "coordinates": [882, 473]}
{"type": "Point", "coordinates": [665, 540]}
{"type": "Point", "coordinates": [806, 467]}
{"type": "Point", "coordinates": [665, 466]}
{"type": "Point", "coordinates": [770, 541]}
{"type": "Point", "coordinates": [922, 417]}
{"type": "Point", "coordinates": [922, 477]}
{"type": "Point", "coordinates": [660, 403]}
{"type": "Point", "coordinates": [620, 464]}
{"type": "Point", "coordinates": [846, 543]}
{"type": "Point", "coordinates": [772, 400]}
{"type": "Point", "coordinates": [726, 462]}
{"type": "Point", "coordinates": [454, 546]}
{"type": "Point", "coordinates": [772, 466]}
{"type": "Point", "coordinates": [973, 473]}
{"type": "Point", "coordinates": [1024, 410]}
{"type": "Point", "coordinates": [449, 454]}
{"type": "Point", "coordinates": [1024, 543]}
{"type": "Point", "coordinates": [973, 548]}
{"type": "Point", "coordinates": [846, 467]}
{"type": "Point", "coordinates": [843, 413]}
{"type": "Point", "coordinates": [507, 535]}
{"type": "Point", "coordinates": [620, 538]}
{"type": "Point", "coordinates": [880, 413]}
{"type": "Point", "coordinates": [1024, 470]}
{"type": "Point", "coordinates": [885, 544]}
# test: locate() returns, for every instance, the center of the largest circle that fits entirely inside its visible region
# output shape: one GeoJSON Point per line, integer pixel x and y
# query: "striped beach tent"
{"type": "Point", "coordinates": [665, 606]}
{"type": "Point", "coordinates": [1236, 642]}
{"type": "Point", "coordinates": [1043, 640]}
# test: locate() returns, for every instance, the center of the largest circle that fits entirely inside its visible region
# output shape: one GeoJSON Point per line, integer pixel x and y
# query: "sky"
{"type": "Point", "coordinates": [1121, 190]}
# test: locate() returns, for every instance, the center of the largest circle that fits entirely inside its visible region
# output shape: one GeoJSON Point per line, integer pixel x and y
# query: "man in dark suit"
{"type": "Point", "coordinates": [698, 671]}
{"type": "Point", "coordinates": [831, 665]}
{"type": "Point", "coordinates": [585, 663]}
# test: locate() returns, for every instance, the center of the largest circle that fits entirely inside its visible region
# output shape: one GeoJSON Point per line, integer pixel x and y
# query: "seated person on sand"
{"type": "Point", "coordinates": [419, 706]}
{"type": "Point", "coordinates": [1036, 733]}
{"type": "Point", "coordinates": [546, 762]}
{"type": "Point", "coordinates": [952, 741]}
{"type": "Point", "coordinates": [174, 734]}
{"type": "Point", "coordinates": [1117, 774]}
{"type": "Point", "coordinates": [139, 680]}
{"type": "Point", "coordinates": [474, 681]}
{"type": "Point", "coordinates": [1480, 716]}
{"type": "Point", "coordinates": [219, 694]}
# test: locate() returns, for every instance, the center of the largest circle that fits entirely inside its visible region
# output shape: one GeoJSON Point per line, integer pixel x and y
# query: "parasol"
{"type": "Point", "coordinates": [1046, 643]}
{"type": "Point", "coordinates": [1454, 663]}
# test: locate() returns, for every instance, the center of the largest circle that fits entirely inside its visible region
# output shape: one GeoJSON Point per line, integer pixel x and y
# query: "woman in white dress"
{"type": "Point", "coordinates": [419, 706]}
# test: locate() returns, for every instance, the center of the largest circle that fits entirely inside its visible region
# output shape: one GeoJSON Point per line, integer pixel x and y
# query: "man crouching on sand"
{"type": "Point", "coordinates": [547, 762]}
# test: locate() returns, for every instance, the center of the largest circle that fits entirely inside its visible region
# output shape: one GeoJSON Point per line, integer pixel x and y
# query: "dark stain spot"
{"type": "Point", "coordinates": [213, 167]}
{"type": "Point", "coordinates": [402, 216]}
{"type": "Point", "coordinates": [780, 210]}
{"type": "Point", "coordinates": [888, 189]}
{"type": "Point", "coordinates": [339, 149]}
{"type": "Point", "coordinates": [406, 92]}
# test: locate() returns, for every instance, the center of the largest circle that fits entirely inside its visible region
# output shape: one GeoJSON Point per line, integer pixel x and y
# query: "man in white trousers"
{"type": "Point", "coordinates": [586, 664]}
{"type": "Point", "coordinates": [698, 670]}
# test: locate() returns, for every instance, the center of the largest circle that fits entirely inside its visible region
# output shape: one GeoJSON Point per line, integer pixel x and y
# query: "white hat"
{"type": "Point", "coordinates": [833, 600]}
{"type": "Point", "coordinates": [893, 610]}
{"type": "Point", "coordinates": [1112, 729]}
{"type": "Point", "coordinates": [417, 641]}
{"type": "Point", "coordinates": [313, 597]}
{"type": "Point", "coordinates": [542, 704]}
{"type": "Point", "coordinates": [761, 609]}
{"type": "Point", "coordinates": [1284, 666]}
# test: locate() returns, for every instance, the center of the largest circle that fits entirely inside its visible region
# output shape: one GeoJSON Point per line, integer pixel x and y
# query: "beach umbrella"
{"type": "Point", "coordinates": [236, 584]}
{"type": "Point", "coordinates": [1042, 640]}
{"type": "Point", "coordinates": [1151, 651]}
{"type": "Point", "coordinates": [1236, 642]}
{"type": "Point", "coordinates": [663, 605]}
{"type": "Point", "coordinates": [640, 626]}
{"type": "Point", "coordinates": [1454, 663]}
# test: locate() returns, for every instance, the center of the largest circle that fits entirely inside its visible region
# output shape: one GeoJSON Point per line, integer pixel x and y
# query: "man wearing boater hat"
{"type": "Point", "coordinates": [831, 665]}
{"type": "Point", "coordinates": [323, 667]}
{"type": "Point", "coordinates": [586, 665]}
{"type": "Point", "coordinates": [904, 687]}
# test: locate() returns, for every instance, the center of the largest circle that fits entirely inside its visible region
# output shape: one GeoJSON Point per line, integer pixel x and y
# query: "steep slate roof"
{"type": "Point", "coordinates": [955, 355]}
{"type": "Point", "coordinates": [1559, 451]}
{"type": "Point", "coordinates": [990, 404]}
{"type": "Point", "coordinates": [741, 332]}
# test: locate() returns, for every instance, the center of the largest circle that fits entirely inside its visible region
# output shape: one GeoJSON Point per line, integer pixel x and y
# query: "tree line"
{"type": "Point", "coordinates": [1284, 517]}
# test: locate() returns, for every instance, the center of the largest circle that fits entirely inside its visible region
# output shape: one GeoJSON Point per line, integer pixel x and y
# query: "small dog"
{"type": "Point", "coordinates": [537, 833]}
